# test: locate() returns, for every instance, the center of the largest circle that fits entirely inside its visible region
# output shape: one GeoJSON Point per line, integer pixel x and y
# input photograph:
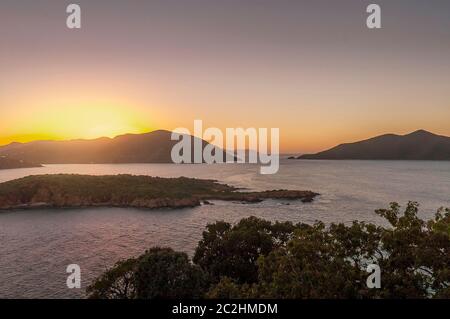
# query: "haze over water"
{"type": "Point", "coordinates": [38, 245]}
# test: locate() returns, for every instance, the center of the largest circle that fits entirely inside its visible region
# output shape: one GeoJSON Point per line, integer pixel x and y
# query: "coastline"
{"type": "Point", "coordinates": [127, 191]}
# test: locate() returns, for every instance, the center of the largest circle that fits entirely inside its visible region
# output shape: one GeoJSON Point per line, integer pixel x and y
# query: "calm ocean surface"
{"type": "Point", "coordinates": [36, 246]}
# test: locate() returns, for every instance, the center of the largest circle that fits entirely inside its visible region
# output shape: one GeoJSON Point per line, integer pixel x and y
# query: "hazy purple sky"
{"type": "Point", "coordinates": [311, 68]}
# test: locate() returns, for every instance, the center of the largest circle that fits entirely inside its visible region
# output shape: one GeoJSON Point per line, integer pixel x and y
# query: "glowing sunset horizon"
{"type": "Point", "coordinates": [319, 75]}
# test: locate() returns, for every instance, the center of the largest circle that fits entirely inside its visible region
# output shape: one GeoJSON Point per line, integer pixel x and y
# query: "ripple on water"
{"type": "Point", "coordinates": [38, 245]}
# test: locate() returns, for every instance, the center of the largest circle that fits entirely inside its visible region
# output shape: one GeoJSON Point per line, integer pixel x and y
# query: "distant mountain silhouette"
{"type": "Point", "coordinates": [8, 163]}
{"type": "Point", "coordinates": [153, 147]}
{"type": "Point", "coordinates": [419, 145]}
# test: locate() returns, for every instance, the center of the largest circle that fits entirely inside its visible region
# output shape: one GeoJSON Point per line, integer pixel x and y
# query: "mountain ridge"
{"type": "Point", "coordinates": [417, 145]}
{"type": "Point", "coordinates": [150, 147]}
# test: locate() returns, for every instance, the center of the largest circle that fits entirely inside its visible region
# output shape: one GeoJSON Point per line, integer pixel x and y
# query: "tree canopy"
{"type": "Point", "coordinates": [256, 258]}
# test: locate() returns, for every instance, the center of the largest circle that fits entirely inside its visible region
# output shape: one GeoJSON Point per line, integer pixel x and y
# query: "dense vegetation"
{"type": "Point", "coordinates": [259, 259]}
{"type": "Point", "coordinates": [64, 190]}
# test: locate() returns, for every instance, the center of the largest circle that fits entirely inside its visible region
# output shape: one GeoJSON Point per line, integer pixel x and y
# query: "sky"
{"type": "Point", "coordinates": [311, 68]}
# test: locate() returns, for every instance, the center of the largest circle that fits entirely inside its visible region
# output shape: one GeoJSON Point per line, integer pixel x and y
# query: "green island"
{"type": "Point", "coordinates": [71, 190]}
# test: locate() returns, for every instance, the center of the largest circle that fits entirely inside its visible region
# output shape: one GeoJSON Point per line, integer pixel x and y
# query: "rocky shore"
{"type": "Point", "coordinates": [70, 191]}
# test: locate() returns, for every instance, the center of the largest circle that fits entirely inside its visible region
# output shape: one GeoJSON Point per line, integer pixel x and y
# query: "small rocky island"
{"type": "Point", "coordinates": [70, 191]}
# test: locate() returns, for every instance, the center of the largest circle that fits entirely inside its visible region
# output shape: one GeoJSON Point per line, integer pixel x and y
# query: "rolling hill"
{"type": "Point", "coordinates": [9, 163]}
{"type": "Point", "coordinates": [419, 145]}
{"type": "Point", "coordinates": [153, 147]}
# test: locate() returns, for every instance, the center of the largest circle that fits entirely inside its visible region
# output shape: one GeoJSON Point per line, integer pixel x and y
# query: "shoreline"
{"type": "Point", "coordinates": [127, 191]}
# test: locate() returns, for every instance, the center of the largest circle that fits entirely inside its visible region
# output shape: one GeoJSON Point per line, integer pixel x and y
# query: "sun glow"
{"type": "Point", "coordinates": [86, 120]}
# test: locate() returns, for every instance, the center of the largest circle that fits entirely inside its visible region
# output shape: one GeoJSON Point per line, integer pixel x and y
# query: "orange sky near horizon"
{"type": "Point", "coordinates": [303, 128]}
{"type": "Point", "coordinates": [315, 71]}
{"type": "Point", "coordinates": [309, 123]}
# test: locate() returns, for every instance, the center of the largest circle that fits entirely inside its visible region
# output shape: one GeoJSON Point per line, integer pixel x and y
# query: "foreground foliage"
{"type": "Point", "coordinates": [259, 259]}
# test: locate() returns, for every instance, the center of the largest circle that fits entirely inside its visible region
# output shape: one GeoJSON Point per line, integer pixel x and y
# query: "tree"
{"type": "Point", "coordinates": [227, 251]}
{"type": "Point", "coordinates": [159, 273]}
{"type": "Point", "coordinates": [227, 288]}
{"type": "Point", "coordinates": [116, 283]}
{"type": "Point", "coordinates": [331, 262]}
{"type": "Point", "coordinates": [416, 259]}
{"type": "Point", "coordinates": [164, 273]}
